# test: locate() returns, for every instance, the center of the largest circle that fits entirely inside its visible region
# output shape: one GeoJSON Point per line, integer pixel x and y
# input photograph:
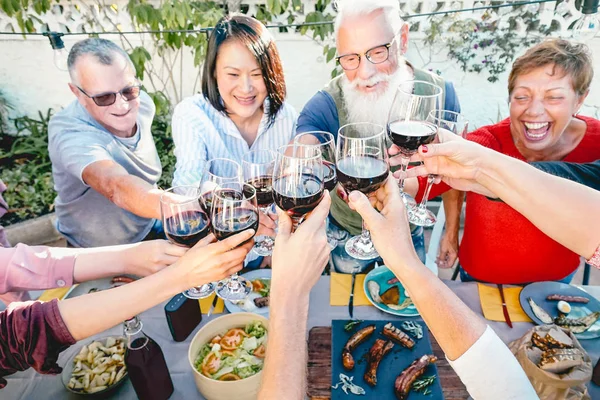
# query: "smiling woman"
{"type": "Point", "coordinates": [547, 86]}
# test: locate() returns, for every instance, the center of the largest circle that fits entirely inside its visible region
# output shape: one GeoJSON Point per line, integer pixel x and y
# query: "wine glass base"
{"type": "Point", "coordinates": [361, 251]}
{"type": "Point", "coordinates": [234, 289]}
{"type": "Point", "coordinates": [264, 246]}
{"type": "Point", "coordinates": [409, 201]}
{"type": "Point", "coordinates": [200, 292]}
{"type": "Point", "coordinates": [421, 217]}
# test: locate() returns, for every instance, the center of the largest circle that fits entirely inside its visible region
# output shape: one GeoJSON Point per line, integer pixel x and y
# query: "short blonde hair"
{"type": "Point", "coordinates": [572, 59]}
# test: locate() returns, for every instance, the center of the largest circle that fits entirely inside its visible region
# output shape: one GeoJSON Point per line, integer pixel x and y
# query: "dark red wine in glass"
{"type": "Point", "coordinates": [329, 175]}
{"type": "Point", "coordinates": [297, 195]}
{"type": "Point", "coordinates": [187, 228]}
{"type": "Point", "coordinates": [409, 135]}
{"type": "Point", "coordinates": [235, 221]}
{"type": "Point", "coordinates": [362, 173]}
{"type": "Point", "coordinates": [264, 190]}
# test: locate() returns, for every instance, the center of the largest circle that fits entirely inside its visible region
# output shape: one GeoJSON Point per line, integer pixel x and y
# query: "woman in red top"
{"type": "Point", "coordinates": [547, 86]}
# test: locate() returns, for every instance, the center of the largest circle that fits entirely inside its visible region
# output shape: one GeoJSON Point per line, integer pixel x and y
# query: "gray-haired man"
{"type": "Point", "coordinates": [104, 162]}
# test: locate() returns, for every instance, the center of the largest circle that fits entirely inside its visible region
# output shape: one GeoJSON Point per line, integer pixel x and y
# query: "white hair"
{"type": "Point", "coordinates": [357, 8]}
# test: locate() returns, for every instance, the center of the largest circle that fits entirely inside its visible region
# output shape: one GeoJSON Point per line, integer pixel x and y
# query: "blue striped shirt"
{"type": "Point", "coordinates": [202, 133]}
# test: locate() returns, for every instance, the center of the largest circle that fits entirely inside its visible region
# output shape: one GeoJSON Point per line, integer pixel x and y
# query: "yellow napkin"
{"type": "Point", "coordinates": [339, 292]}
{"type": "Point", "coordinates": [206, 303]}
{"type": "Point", "coordinates": [51, 294]}
{"type": "Point", "coordinates": [491, 303]}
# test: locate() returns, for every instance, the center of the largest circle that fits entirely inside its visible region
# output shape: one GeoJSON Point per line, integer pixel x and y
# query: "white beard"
{"type": "Point", "coordinates": [373, 107]}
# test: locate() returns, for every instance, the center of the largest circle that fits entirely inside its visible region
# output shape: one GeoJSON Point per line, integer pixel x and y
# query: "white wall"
{"type": "Point", "coordinates": [29, 77]}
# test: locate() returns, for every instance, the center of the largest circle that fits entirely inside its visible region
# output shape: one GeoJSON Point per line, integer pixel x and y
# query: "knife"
{"type": "Point", "coordinates": [351, 301]}
{"type": "Point", "coordinates": [212, 307]}
{"type": "Point", "coordinates": [504, 308]}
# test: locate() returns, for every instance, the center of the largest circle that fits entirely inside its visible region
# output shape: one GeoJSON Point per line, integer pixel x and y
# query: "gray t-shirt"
{"type": "Point", "coordinates": [76, 140]}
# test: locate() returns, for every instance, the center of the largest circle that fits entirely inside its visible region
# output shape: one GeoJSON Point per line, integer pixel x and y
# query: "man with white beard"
{"type": "Point", "coordinates": [371, 39]}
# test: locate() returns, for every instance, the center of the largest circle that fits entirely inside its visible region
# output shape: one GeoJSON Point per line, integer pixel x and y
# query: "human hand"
{"type": "Point", "coordinates": [146, 258]}
{"type": "Point", "coordinates": [299, 257]}
{"type": "Point", "coordinates": [448, 251]}
{"type": "Point", "coordinates": [210, 261]}
{"type": "Point", "coordinates": [389, 227]}
{"type": "Point", "coordinates": [267, 224]}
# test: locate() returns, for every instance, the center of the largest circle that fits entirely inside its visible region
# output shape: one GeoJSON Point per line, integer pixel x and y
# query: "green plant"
{"type": "Point", "coordinates": [5, 107]}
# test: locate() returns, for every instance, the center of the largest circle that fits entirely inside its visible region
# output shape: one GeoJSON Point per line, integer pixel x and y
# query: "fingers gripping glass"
{"type": "Point", "coordinates": [376, 55]}
{"type": "Point", "coordinates": [108, 99]}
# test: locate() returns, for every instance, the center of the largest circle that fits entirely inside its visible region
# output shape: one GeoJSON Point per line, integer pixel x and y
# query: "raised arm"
{"type": "Point", "coordinates": [587, 174]}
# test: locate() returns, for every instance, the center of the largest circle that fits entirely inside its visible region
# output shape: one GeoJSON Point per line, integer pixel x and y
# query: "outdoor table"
{"type": "Point", "coordinates": [29, 385]}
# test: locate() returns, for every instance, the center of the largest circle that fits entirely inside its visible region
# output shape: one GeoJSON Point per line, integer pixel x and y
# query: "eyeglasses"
{"type": "Point", "coordinates": [376, 55]}
{"type": "Point", "coordinates": [108, 99]}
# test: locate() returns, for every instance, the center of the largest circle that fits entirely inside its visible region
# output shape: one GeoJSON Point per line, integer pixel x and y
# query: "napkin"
{"type": "Point", "coordinates": [339, 290]}
{"type": "Point", "coordinates": [51, 294]}
{"type": "Point", "coordinates": [491, 303]}
{"type": "Point", "coordinates": [206, 303]}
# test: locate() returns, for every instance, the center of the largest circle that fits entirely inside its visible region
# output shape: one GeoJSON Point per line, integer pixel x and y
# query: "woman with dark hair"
{"type": "Point", "coordinates": [241, 107]}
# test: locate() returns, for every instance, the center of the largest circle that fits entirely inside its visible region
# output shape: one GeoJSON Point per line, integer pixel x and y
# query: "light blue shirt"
{"type": "Point", "coordinates": [201, 133]}
{"type": "Point", "coordinates": [76, 140]}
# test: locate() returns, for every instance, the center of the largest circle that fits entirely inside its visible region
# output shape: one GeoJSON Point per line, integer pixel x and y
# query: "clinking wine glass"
{"type": "Point", "coordinates": [218, 171]}
{"type": "Point", "coordinates": [298, 180]}
{"type": "Point", "coordinates": [234, 209]}
{"type": "Point", "coordinates": [407, 123]}
{"type": "Point", "coordinates": [361, 165]}
{"type": "Point", "coordinates": [257, 166]}
{"type": "Point", "coordinates": [185, 223]}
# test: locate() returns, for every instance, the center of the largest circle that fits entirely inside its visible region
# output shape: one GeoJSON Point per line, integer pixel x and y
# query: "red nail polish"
{"type": "Point", "coordinates": [424, 149]}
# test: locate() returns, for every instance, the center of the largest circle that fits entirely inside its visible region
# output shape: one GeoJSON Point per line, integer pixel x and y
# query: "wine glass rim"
{"type": "Point", "coordinates": [317, 155]}
{"type": "Point", "coordinates": [328, 134]}
{"type": "Point", "coordinates": [415, 81]}
{"type": "Point", "coordinates": [457, 114]}
{"type": "Point", "coordinates": [381, 127]}
{"type": "Point", "coordinates": [244, 160]}
{"type": "Point", "coordinates": [164, 199]}
{"type": "Point", "coordinates": [227, 160]}
{"type": "Point", "coordinates": [243, 186]}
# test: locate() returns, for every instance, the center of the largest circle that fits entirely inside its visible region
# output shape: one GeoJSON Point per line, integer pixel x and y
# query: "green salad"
{"type": "Point", "coordinates": [236, 354]}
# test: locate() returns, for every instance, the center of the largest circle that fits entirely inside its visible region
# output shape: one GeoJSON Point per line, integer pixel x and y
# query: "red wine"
{"type": "Point", "coordinates": [233, 222]}
{"type": "Point", "coordinates": [363, 173]}
{"type": "Point", "coordinates": [409, 135]}
{"type": "Point", "coordinates": [297, 195]}
{"type": "Point", "coordinates": [148, 370]}
{"type": "Point", "coordinates": [187, 228]}
{"type": "Point", "coordinates": [264, 190]}
{"type": "Point", "coordinates": [329, 176]}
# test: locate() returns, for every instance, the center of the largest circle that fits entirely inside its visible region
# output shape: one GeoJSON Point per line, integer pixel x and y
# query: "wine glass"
{"type": "Point", "coordinates": [185, 223]}
{"type": "Point", "coordinates": [361, 165]}
{"type": "Point", "coordinates": [218, 171]}
{"type": "Point", "coordinates": [412, 104]}
{"type": "Point", "coordinates": [257, 166]}
{"type": "Point", "coordinates": [325, 141]}
{"type": "Point", "coordinates": [234, 209]}
{"type": "Point", "coordinates": [298, 180]}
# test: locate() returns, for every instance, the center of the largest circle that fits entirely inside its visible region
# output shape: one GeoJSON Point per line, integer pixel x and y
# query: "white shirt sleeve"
{"type": "Point", "coordinates": [490, 371]}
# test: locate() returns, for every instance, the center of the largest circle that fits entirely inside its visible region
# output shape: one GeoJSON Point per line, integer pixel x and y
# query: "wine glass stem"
{"type": "Point", "coordinates": [365, 235]}
{"type": "Point", "coordinates": [403, 167]}
{"type": "Point", "coordinates": [430, 179]}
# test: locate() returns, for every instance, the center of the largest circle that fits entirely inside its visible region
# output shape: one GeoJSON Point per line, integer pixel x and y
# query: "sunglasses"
{"type": "Point", "coordinates": [108, 99]}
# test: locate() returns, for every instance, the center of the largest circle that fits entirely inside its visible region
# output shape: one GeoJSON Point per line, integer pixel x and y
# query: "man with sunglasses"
{"type": "Point", "coordinates": [104, 162]}
{"type": "Point", "coordinates": [371, 39]}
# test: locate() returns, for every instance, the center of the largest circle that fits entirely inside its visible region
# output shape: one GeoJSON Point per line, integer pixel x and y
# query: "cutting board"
{"type": "Point", "coordinates": [319, 368]}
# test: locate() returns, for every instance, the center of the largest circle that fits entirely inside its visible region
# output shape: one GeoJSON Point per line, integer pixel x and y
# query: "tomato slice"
{"type": "Point", "coordinates": [260, 351]}
{"type": "Point", "coordinates": [229, 377]}
{"type": "Point", "coordinates": [215, 340]}
{"type": "Point", "coordinates": [233, 339]}
{"type": "Point", "coordinates": [257, 285]}
{"type": "Point", "coordinates": [211, 364]}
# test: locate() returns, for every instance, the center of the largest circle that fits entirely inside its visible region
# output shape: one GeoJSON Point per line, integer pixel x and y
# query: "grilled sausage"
{"type": "Point", "coordinates": [398, 336]}
{"type": "Point", "coordinates": [568, 299]}
{"type": "Point", "coordinates": [379, 349]}
{"type": "Point", "coordinates": [355, 340]}
{"type": "Point", "coordinates": [261, 302]}
{"type": "Point", "coordinates": [405, 380]}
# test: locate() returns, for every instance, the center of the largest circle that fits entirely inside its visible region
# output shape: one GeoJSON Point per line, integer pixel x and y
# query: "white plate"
{"type": "Point", "coordinates": [249, 302]}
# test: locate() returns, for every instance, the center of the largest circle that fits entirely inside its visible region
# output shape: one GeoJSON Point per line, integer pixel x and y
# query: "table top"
{"type": "Point", "coordinates": [28, 384]}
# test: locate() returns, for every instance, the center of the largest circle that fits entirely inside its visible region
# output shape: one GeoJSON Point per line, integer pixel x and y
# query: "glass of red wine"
{"type": "Point", "coordinates": [407, 123]}
{"type": "Point", "coordinates": [298, 180]}
{"type": "Point", "coordinates": [185, 223]}
{"type": "Point", "coordinates": [218, 171]}
{"type": "Point", "coordinates": [361, 165]}
{"type": "Point", "coordinates": [257, 166]}
{"type": "Point", "coordinates": [455, 123]}
{"type": "Point", "coordinates": [234, 209]}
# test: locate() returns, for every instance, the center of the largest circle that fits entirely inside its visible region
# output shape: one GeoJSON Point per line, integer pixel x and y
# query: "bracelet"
{"type": "Point", "coordinates": [595, 260]}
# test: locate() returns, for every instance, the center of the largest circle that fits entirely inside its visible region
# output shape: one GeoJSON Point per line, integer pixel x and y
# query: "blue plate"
{"type": "Point", "coordinates": [382, 275]}
{"type": "Point", "coordinates": [538, 292]}
{"type": "Point", "coordinates": [398, 359]}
